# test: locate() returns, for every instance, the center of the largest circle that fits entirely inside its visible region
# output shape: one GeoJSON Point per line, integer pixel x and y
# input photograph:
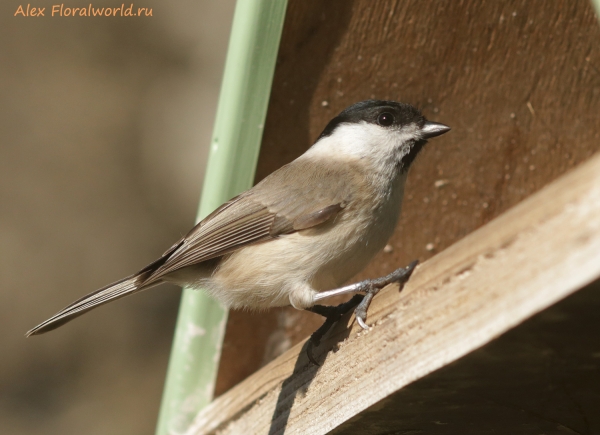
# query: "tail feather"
{"type": "Point", "coordinates": [131, 284]}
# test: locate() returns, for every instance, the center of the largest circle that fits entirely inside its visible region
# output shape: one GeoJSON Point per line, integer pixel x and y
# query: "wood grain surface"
{"type": "Point", "coordinates": [542, 377]}
{"type": "Point", "coordinates": [532, 256]}
{"type": "Point", "coordinates": [518, 81]}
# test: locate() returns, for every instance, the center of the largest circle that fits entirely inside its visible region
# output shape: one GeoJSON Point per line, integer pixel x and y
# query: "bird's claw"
{"type": "Point", "coordinates": [373, 286]}
{"type": "Point", "coordinates": [361, 322]}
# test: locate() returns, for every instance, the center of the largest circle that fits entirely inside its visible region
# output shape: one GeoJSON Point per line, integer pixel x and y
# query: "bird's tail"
{"type": "Point", "coordinates": [127, 286]}
{"type": "Point", "coordinates": [131, 284]}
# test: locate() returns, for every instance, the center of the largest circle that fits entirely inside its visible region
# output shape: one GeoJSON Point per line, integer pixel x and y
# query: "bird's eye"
{"type": "Point", "coordinates": [385, 119]}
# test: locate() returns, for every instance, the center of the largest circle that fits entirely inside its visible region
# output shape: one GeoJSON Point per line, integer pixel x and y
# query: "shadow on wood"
{"type": "Point", "coordinates": [292, 386]}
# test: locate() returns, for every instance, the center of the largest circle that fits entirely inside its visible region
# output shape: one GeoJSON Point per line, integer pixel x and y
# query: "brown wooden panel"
{"type": "Point", "coordinates": [518, 81]}
{"type": "Point", "coordinates": [461, 299]}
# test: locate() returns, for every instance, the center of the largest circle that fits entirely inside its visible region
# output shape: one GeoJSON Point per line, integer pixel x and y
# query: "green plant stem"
{"type": "Point", "coordinates": [241, 113]}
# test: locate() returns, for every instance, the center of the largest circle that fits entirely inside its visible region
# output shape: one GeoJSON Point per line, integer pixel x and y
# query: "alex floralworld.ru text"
{"type": "Point", "coordinates": [61, 10]}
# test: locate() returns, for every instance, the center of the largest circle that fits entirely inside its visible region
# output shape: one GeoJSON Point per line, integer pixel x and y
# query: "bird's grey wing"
{"type": "Point", "coordinates": [270, 209]}
{"type": "Point", "coordinates": [245, 220]}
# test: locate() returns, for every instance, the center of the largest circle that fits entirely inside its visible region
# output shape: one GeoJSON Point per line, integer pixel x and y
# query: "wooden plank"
{"type": "Point", "coordinates": [541, 377]}
{"type": "Point", "coordinates": [516, 80]}
{"type": "Point", "coordinates": [535, 254]}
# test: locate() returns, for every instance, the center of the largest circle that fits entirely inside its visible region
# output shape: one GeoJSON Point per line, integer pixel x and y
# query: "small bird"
{"type": "Point", "coordinates": [301, 232]}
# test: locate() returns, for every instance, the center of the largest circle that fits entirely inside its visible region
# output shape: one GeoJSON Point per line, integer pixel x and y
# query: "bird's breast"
{"type": "Point", "coordinates": [324, 257]}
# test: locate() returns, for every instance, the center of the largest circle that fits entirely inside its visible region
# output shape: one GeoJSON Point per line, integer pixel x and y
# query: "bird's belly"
{"type": "Point", "coordinates": [265, 275]}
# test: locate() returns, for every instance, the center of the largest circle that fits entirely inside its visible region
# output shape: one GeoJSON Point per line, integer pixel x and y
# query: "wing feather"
{"type": "Point", "coordinates": [270, 209]}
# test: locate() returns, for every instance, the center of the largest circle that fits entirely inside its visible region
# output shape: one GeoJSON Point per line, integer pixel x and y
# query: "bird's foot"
{"type": "Point", "coordinates": [372, 286]}
{"type": "Point", "coordinates": [333, 313]}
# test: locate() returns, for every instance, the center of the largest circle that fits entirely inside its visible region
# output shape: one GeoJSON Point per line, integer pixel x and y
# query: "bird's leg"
{"type": "Point", "coordinates": [332, 314]}
{"type": "Point", "coordinates": [371, 287]}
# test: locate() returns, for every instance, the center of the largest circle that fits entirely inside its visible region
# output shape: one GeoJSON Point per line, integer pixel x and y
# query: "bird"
{"type": "Point", "coordinates": [303, 231]}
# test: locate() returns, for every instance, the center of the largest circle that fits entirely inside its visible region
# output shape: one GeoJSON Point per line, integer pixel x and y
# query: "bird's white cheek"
{"type": "Point", "coordinates": [370, 143]}
{"type": "Point", "coordinates": [354, 141]}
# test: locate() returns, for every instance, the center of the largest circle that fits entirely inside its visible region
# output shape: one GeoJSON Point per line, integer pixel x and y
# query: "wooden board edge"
{"type": "Point", "coordinates": [498, 276]}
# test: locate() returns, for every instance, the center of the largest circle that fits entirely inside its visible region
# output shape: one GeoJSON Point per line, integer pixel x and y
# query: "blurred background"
{"type": "Point", "coordinates": [104, 128]}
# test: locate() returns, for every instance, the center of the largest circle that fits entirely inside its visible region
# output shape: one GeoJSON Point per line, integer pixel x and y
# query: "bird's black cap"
{"type": "Point", "coordinates": [389, 114]}
{"type": "Point", "coordinates": [370, 111]}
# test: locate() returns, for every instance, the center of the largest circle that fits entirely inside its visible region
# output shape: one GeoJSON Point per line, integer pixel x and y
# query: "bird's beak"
{"type": "Point", "coordinates": [433, 129]}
